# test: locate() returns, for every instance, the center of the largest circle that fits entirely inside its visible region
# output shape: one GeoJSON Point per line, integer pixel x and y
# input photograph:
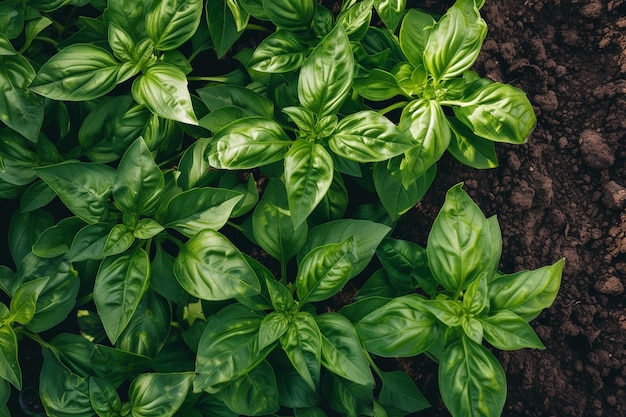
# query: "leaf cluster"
{"type": "Point", "coordinates": [197, 226]}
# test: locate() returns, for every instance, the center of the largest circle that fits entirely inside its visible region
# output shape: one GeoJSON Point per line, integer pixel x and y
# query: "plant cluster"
{"type": "Point", "coordinates": [188, 205]}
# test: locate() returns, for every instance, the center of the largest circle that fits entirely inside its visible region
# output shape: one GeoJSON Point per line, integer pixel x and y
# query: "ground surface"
{"type": "Point", "coordinates": [560, 195]}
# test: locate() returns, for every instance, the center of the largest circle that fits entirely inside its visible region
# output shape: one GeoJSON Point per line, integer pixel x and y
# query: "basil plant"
{"type": "Point", "coordinates": [183, 237]}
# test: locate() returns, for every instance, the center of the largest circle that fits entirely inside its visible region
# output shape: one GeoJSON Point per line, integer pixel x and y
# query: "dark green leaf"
{"type": "Point", "coordinates": [399, 392]}
{"type": "Point", "coordinates": [104, 398]}
{"type": "Point", "coordinates": [121, 237]}
{"type": "Point", "coordinates": [391, 12]}
{"type": "Point", "coordinates": [220, 96]}
{"type": "Point", "coordinates": [163, 280]}
{"type": "Point", "coordinates": [222, 26]}
{"type": "Point", "coordinates": [273, 326]}
{"type": "Point", "coordinates": [470, 149]}
{"type": "Point", "coordinates": [326, 75]}
{"type": "Point", "coordinates": [348, 398]}
{"type": "Point", "coordinates": [194, 168]}
{"type": "Point", "coordinates": [24, 301]}
{"type": "Point", "coordinates": [115, 365]}
{"type": "Point", "coordinates": [24, 230]}
{"type": "Point", "coordinates": [471, 381]}
{"type": "Point", "coordinates": [56, 240]}
{"type": "Point", "coordinates": [254, 394]}
{"type": "Point", "coordinates": [89, 242]}
{"type": "Point", "coordinates": [120, 283]}
{"type": "Point", "coordinates": [303, 345]}
{"type": "Point", "coordinates": [62, 392]}
{"type": "Point", "coordinates": [9, 364]}
{"type": "Point", "coordinates": [83, 187]}
{"type": "Point", "coordinates": [79, 72]}
{"type": "Point", "coordinates": [210, 267]}
{"type": "Point", "coordinates": [18, 158]}
{"type": "Point", "coordinates": [291, 15]}
{"type": "Point", "coordinates": [36, 196]}
{"type": "Point", "coordinates": [157, 394]}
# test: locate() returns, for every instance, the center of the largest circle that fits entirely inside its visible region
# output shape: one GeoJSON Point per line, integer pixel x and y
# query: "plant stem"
{"type": "Point", "coordinates": [392, 107]}
{"type": "Point", "coordinates": [259, 28]}
{"type": "Point", "coordinates": [36, 338]}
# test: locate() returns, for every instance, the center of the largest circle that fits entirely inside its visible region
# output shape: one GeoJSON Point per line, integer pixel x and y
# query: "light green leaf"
{"type": "Point", "coordinates": [470, 149]}
{"type": "Point", "coordinates": [24, 301]}
{"type": "Point", "coordinates": [121, 237]}
{"type": "Point", "coordinates": [120, 283]}
{"type": "Point", "coordinates": [163, 89]}
{"type": "Point", "coordinates": [377, 85]}
{"type": "Point", "coordinates": [9, 364]}
{"type": "Point", "coordinates": [324, 271]}
{"type": "Point", "coordinates": [84, 188]}
{"type": "Point", "coordinates": [471, 381]}
{"type": "Point", "coordinates": [200, 208]}
{"type": "Point", "coordinates": [79, 72]}
{"type": "Point", "coordinates": [280, 52]}
{"type": "Point", "coordinates": [292, 15]}
{"type": "Point", "coordinates": [273, 326]}
{"type": "Point", "coordinates": [170, 24]}
{"type": "Point", "coordinates": [159, 394]}
{"type": "Point", "coordinates": [414, 34]}
{"type": "Point", "coordinates": [303, 345]}
{"type": "Point", "coordinates": [390, 11]}
{"type": "Point", "coordinates": [210, 267]}
{"type": "Point", "coordinates": [326, 75]}
{"type": "Point", "coordinates": [506, 330]}
{"type": "Point", "coordinates": [356, 19]}
{"type": "Point", "coordinates": [248, 143]}
{"type": "Point", "coordinates": [459, 243]}
{"type": "Point", "coordinates": [308, 176]}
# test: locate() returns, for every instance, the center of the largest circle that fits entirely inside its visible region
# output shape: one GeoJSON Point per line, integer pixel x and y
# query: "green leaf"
{"type": "Point", "coordinates": [368, 136]}
{"type": "Point", "coordinates": [526, 293]}
{"type": "Point", "coordinates": [273, 326]}
{"type": "Point", "coordinates": [228, 348]}
{"type": "Point", "coordinates": [280, 52]}
{"type": "Point", "coordinates": [454, 42]}
{"type": "Point", "coordinates": [308, 176]}
{"type": "Point", "coordinates": [9, 364]}
{"type": "Point", "coordinates": [471, 381]}
{"type": "Point", "coordinates": [79, 72]}
{"type": "Point", "coordinates": [24, 301]}
{"type": "Point", "coordinates": [254, 394]}
{"type": "Point", "coordinates": [470, 149]}
{"type": "Point", "coordinates": [23, 110]}
{"type": "Point", "coordinates": [303, 345]}
{"type": "Point", "coordinates": [83, 187]}
{"type": "Point", "coordinates": [356, 19]}
{"type": "Point", "coordinates": [291, 15]}
{"type": "Point", "coordinates": [377, 85]}
{"type": "Point", "coordinates": [459, 243]}
{"type": "Point", "coordinates": [56, 240]}
{"type": "Point", "coordinates": [342, 352]}
{"type": "Point", "coordinates": [222, 26]}
{"type": "Point", "coordinates": [24, 230]}
{"type": "Point", "coordinates": [163, 280]}
{"type": "Point", "coordinates": [57, 298]}
{"type": "Point", "coordinates": [18, 159]}
{"type": "Point", "coordinates": [11, 18]}
{"type": "Point", "coordinates": [403, 327]}
{"type": "Point", "coordinates": [414, 34]}
{"type": "Point", "coordinates": [200, 208]}
{"type": "Point", "coordinates": [147, 228]}
{"type": "Point", "coordinates": [326, 75]}
{"type": "Point", "coordinates": [171, 24]}
{"type": "Point", "coordinates": [115, 365]}
{"type": "Point", "coordinates": [400, 259]}
{"type": "Point", "coordinates": [210, 267]}
{"type": "Point", "coordinates": [272, 226]}
{"type": "Point", "coordinates": [74, 352]}
{"type": "Point", "coordinates": [248, 143]}
{"type": "Point", "coordinates": [159, 394]}
{"type": "Point", "coordinates": [324, 271]}
{"type": "Point", "coordinates": [425, 122]}
{"type": "Point", "coordinates": [233, 96]}
{"type": "Point", "coordinates": [400, 393]}
{"type": "Point", "coordinates": [62, 392]}
{"type": "Point", "coordinates": [506, 330]}
{"type": "Point", "coordinates": [163, 89]}
{"type": "Point", "coordinates": [120, 284]}
{"type": "Point", "coordinates": [89, 242]}
{"type": "Point", "coordinates": [390, 11]}
{"type": "Point", "coordinates": [121, 43]}
{"type": "Point", "coordinates": [194, 168]}
{"type": "Point", "coordinates": [139, 181]}
{"type": "Point", "coordinates": [498, 112]}
{"type": "Point", "coordinates": [348, 398]}
{"type": "Point", "coordinates": [128, 15]}
{"type": "Point", "coordinates": [104, 398]}
{"type": "Point", "coordinates": [121, 237]}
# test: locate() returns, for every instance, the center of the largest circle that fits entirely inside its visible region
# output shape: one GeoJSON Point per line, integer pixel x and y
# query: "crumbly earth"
{"type": "Point", "coordinates": [561, 195]}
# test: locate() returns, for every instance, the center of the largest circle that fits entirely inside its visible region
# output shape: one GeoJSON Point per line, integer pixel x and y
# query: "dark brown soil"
{"type": "Point", "coordinates": [561, 195]}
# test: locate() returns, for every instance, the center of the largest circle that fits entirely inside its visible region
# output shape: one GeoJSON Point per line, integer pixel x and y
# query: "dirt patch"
{"type": "Point", "coordinates": [561, 195]}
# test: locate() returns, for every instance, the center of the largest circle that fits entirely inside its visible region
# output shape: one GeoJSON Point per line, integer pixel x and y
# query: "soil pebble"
{"type": "Point", "coordinates": [595, 151]}
{"type": "Point", "coordinates": [613, 195]}
{"type": "Point", "coordinates": [612, 286]}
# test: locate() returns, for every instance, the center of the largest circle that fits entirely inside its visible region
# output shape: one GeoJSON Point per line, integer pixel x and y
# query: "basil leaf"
{"type": "Point", "coordinates": [471, 380]}
{"type": "Point", "coordinates": [171, 24]}
{"type": "Point", "coordinates": [425, 122]}
{"type": "Point", "coordinates": [348, 398]}
{"type": "Point", "coordinates": [79, 72]}
{"type": "Point", "coordinates": [104, 397]}
{"type": "Point", "coordinates": [414, 34]}
{"type": "Point", "coordinates": [24, 302]}
{"type": "Point", "coordinates": [272, 226]}
{"type": "Point", "coordinates": [210, 267]}
{"type": "Point", "coordinates": [280, 52]}
{"type": "Point", "coordinates": [326, 75]}
{"type": "Point", "coordinates": [403, 327]}
{"type": "Point", "coordinates": [302, 343]}
{"type": "Point", "coordinates": [470, 149]}
{"type": "Point", "coordinates": [222, 26]}
{"type": "Point", "coordinates": [115, 365]}
{"type": "Point", "coordinates": [18, 159]}
{"type": "Point", "coordinates": [83, 187]}
{"type": "Point", "coordinates": [292, 15]}
{"type": "Point", "coordinates": [23, 110]}
{"type": "Point", "coordinates": [138, 181]}
{"type": "Point", "coordinates": [248, 143]}
{"type": "Point", "coordinates": [89, 242]}
{"type": "Point", "coordinates": [159, 393]}
{"type": "Point", "coordinates": [454, 42]}
{"type": "Point", "coordinates": [498, 112]}
{"type": "Point", "coordinates": [308, 176]}
{"type": "Point", "coordinates": [459, 243]}
{"type": "Point", "coordinates": [324, 271]}
{"type": "Point", "coordinates": [506, 330]}
{"type": "Point", "coordinates": [24, 230]}
{"type": "Point", "coordinates": [228, 348]}
{"type": "Point", "coordinates": [233, 96]}
{"type": "Point", "coordinates": [200, 208]}
{"type": "Point", "coordinates": [128, 15]}
{"type": "Point", "coordinates": [342, 352]}
{"type": "Point", "coordinates": [356, 19]}
{"type": "Point", "coordinates": [120, 284]}
{"type": "Point", "coordinates": [56, 240]}
{"type": "Point", "coordinates": [400, 393]}
{"type": "Point", "coordinates": [377, 85]}
{"type": "Point", "coordinates": [10, 369]}
{"type": "Point", "coordinates": [254, 394]}
{"type": "Point", "coordinates": [273, 326]}
{"type": "Point", "coordinates": [390, 11]}
{"type": "Point", "coordinates": [62, 392]}
{"type": "Point", "coordinates": [526, 293]}
{"type": "Point", "coordinates": [163, 89]}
